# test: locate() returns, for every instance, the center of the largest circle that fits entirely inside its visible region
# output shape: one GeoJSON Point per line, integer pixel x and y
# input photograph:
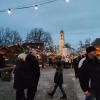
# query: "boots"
{"type": "Point", "coordinates": [63, 97]}
{"type": "Point", "coordinates": [50, 95]}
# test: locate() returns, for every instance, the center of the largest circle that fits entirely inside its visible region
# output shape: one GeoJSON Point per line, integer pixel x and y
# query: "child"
{"type": "Point", "coordinates": [58, 80]}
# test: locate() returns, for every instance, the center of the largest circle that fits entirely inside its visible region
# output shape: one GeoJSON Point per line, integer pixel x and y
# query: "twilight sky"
{"type": "Point", "coordinates": [80, 19]}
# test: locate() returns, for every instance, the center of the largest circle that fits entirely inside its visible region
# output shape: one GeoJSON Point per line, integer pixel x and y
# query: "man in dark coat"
{"type": "Point", "coordinates": [27, 73]}
{"type": "Point", "coordinates": [58, 80]}
{"type": "Point", "coordinates": [75, 64]}
{"type": "Point", "coordinates": [89, 75]}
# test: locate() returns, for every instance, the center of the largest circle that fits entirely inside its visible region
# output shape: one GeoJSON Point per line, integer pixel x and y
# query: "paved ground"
{"type": "Point", "coordinates": [46, 84]}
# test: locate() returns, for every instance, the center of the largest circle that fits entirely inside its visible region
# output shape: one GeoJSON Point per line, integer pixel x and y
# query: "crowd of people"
{"type": "Point", "coordinates": [27, 74]}
{"type": "Point", "coordinates": [66, 61]}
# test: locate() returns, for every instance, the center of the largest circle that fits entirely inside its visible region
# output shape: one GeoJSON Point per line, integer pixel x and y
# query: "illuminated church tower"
{"type": "Point", "coordinates": [61, 46]}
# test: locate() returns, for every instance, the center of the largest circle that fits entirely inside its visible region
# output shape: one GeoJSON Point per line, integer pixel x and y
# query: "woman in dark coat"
{"type": "Point", "coordinates": [27, 74]}
{"type": "Point", "coordinates": [34, 71]}
{"type": "Point", "coordinates": [58, 80]}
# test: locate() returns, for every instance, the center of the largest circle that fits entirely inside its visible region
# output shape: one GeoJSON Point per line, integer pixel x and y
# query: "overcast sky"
{"type": "Point", "coordinates": [80, 19]}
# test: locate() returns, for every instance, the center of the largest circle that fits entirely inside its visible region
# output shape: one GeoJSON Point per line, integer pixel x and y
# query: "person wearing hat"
{"type": "Point", "coordinates": [89, 74]}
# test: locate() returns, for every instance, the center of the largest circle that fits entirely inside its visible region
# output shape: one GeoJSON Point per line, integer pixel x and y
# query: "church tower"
{"type": "Point", "coordinates": [61, 46]}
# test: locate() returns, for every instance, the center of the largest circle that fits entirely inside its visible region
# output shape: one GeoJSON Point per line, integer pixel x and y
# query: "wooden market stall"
{"type": "Point", "coordinates": [98, 50]}
{"type": "Point", "coordinates": [9, 53]}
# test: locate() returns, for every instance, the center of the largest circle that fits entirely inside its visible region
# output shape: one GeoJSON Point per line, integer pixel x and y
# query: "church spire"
{"type": "Point", "coordinates": [61, 42]}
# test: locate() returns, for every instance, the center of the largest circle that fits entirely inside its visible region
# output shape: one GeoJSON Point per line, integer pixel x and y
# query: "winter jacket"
{"type": "Point", "coordinates": [75, 65]}
{"type": "Point", "coordinates": [89, 74]}
{"type": "Point", "coordinates": [26, 73]}
{"type": "Point", "coordinates": [58, 78]}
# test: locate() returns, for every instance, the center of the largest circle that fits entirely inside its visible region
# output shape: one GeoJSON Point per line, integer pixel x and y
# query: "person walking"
{"type": "Point", "coordinates": [58, 80]}
{"type": "Point", "coordinates": [89, 74]}
{"type": "Point", "coordinates": [26, 76]}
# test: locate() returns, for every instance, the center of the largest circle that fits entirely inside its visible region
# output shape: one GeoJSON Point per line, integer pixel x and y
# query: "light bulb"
{"type": "Point", "coordinates": [36, 7]}
{"type": "Point", "coordinates": [67, 1]}
{"type": "Point", "coordinates": [9, 11]}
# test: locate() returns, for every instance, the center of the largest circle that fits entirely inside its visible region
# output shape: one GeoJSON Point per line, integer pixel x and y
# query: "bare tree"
{"type": "Point", "coordinates": [1, 36]}
{"type": "Point", "coordinates": [87, 43]}
{"type": "Point", "coordinates": [38, 35]}
{"type": "Point", "coordinates": [81, 44]}
{"type": "Point", "coordinates": [9, 37]}
{"type": "Point", "coordinates": [96, 42]}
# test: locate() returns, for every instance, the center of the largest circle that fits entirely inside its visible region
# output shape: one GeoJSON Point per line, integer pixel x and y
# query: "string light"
{"type": "Point", "coordinates": [67, 1]}
{"type": "Point", "coordinates": [9, 11]}
{"type": "Point", "coordinates": [36, 7]}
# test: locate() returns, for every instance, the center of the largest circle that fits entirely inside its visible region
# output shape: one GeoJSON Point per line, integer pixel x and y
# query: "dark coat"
{"type": "Point", "coordinates": [27, 72]}
{"type": "Point", "coordinates": [58, 78]}
{"type": "Point", "coordinates": [19, 74]}
{"type": "Point", "coordinates": [75, 65]}
{"type": "Point", "coordinates": [90, 72]}
{"type": "Point", "coordinates": [2, 62]}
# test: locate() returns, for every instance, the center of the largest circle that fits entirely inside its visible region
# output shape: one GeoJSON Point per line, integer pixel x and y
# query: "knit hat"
{"type": "Point", "coordinates": [90, 49]}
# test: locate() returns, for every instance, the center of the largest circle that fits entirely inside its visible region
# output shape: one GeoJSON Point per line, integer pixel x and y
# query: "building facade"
{"type": "Point", "coordinates": [63, 50]}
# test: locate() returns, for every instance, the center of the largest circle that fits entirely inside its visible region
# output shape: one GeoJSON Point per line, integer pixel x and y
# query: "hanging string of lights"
{"type": "Point", "coordinates": [35, 6]}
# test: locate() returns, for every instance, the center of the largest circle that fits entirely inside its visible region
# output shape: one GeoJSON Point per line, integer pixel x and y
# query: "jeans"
{"type": "Point", "coordinates": [94, 96]}
{"type": "Point", "coordinates": [61, 88]}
